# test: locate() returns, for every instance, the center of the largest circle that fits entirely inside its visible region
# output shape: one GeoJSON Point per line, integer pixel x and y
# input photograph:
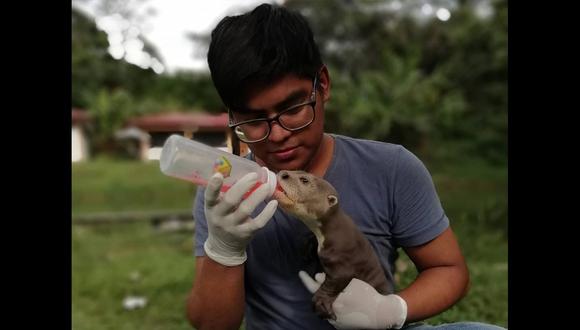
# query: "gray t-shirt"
{"type": "Point", "coordinates": [386, 190]}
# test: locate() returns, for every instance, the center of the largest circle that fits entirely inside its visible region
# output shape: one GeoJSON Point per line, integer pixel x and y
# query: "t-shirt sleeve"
{"type": "Point", "coordinates": [200, 223]}
{"type": "Point", "coordinates": [418, 215]}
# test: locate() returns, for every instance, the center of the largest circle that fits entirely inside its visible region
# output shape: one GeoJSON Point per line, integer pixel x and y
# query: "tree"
{"type": "Point", "coordinates": [104, 86]}
{"type": "Point", "coordinates": [109, 111]}
{"type": "Point", "coordinates": [409, 81]}
{"type": "Point", "coordinates": [93, 68]}
{"type": "Point", "coordinates": [89, 55]}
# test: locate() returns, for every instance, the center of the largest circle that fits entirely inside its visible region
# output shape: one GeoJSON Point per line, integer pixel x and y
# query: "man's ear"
{"type": "Point", "coordinates": [332, 200]}
{"type": "Point", "coordinates": [324, 81]}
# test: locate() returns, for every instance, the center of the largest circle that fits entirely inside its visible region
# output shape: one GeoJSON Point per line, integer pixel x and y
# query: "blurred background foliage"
{"type": "Point", "coordinates": [437, 87]}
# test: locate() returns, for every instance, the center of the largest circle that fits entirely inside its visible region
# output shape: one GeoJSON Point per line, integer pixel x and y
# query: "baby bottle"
{"type": "Point", "coordinates": [196, 162]}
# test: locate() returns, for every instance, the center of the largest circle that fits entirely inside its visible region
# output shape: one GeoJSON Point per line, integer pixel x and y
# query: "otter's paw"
{"type": "Point", "coordinates": [323, 306]}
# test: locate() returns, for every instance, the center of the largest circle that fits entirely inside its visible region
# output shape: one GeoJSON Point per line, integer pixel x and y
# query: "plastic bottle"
{"type": "Point", "coordinates": [196, 162]}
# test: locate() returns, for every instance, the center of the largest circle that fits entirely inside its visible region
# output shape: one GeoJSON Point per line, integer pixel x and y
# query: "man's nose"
{"type": "Point", "coordinates": [277, 132]}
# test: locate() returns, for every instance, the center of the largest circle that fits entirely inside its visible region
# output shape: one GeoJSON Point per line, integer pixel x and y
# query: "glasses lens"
{"type": "Point", "coordinates": [298, 117]}
{"type": "Point", "coordinates": [252, 131]}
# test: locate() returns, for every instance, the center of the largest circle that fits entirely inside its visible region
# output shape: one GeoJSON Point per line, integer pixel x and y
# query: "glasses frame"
{"type": "Point", "coordinates": [312, 103]}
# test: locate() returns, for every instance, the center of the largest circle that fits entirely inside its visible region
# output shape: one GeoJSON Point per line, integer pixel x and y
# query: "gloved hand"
{"type": "Point", "coordinates": [360, 306]}
{"type": "Point", "coordinates": [230, 227]}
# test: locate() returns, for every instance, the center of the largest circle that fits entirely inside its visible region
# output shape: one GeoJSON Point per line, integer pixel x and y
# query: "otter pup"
{"type": "Point", "coordinates": [343, 250]}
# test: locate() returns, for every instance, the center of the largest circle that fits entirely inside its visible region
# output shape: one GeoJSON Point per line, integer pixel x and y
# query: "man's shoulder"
{"type": "Point", "coordinates": [358, 146]}
{"type": "Point", "coordinates": [378, 156]}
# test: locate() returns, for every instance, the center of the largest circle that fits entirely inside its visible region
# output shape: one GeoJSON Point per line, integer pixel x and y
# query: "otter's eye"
{"type": "Point", "coordinates": [303, 180]}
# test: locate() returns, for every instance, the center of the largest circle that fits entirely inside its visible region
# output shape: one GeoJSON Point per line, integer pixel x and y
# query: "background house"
{"type": "Point", "coordinates": [143, 137]}
{"type": "Point", "coordinates": [210, 129]}
{"type": "Point", "coordinates": [80, 150]}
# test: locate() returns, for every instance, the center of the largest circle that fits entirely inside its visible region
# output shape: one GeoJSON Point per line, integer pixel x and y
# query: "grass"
{"type": "Point", "coordinates": [106, 185]}
{"type": "Point", "coordinates": [474, 196]}
{"type": "Point", "coordinates": [111, 262]}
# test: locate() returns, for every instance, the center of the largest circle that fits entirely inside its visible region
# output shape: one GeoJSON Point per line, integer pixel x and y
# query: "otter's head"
{"type": "Point", "coordinates": [305, 195]}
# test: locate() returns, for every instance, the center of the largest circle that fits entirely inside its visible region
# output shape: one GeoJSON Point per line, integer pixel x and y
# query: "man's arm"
{"type": "Point", "coordinates": [217, 298]}
{"type": "Point", "coordinates": [443, 277]}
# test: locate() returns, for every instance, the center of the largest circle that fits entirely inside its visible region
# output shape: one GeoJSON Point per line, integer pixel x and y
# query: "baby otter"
{"type": "Point", "coordinates": [343, 250]}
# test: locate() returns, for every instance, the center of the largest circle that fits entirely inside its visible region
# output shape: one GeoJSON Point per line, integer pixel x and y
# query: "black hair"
{"type": "Point", "coordinates": [257, 48]}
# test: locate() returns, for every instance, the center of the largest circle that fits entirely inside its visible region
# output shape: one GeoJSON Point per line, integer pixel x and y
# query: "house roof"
{"type": "Point", "coordinates": [181, 121]}
{"type": "Point", "coordinates": [80, 116]}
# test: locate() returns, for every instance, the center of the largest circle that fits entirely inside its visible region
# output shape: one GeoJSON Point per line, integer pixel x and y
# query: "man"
{"type": "Point", "coordinates": [250, 255]}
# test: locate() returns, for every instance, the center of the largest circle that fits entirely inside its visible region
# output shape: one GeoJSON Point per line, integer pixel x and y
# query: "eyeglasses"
{"type": "Point", "coordinates": [292, 119]}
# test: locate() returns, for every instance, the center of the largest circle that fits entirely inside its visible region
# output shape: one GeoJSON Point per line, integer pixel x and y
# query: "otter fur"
{"type": "Point", "coordinates": [343, 250]}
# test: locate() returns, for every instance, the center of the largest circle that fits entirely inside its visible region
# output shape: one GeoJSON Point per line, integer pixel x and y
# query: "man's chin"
{"type": "Point", "coordinates": [287, 166]}
{"type": "Point", "coordinates": [275, 164]}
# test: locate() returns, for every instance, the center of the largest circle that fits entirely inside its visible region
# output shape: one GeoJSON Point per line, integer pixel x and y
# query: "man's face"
{"type": "Point", "coordinates": [283, 149]}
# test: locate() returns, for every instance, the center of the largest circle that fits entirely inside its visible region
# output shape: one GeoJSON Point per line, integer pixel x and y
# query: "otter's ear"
{"type": "Point", "coordinates": [332, 200]}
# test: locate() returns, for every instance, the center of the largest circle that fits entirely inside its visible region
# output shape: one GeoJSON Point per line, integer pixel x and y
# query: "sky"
{"type": "Point", "coordinates": [167, 28]}
{"type": "Point", "coordinates": [177, 17]}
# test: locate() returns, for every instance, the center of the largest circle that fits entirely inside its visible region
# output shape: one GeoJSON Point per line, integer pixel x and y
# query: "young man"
{"type": "Point", "coordinates": [268, 72]}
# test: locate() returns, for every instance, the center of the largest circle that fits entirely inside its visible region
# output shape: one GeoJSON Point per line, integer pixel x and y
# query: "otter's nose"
{"type": "Point", "coordinates": [284, 175]}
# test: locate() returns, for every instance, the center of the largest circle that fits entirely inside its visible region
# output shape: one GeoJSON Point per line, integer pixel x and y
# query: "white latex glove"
{"type": "Point", "coordinates": [360, 306]}
{"type": "Point", "coordinates": [230, 227]}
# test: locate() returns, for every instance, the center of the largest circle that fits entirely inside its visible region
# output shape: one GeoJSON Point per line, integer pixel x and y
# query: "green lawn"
{"type": "Point", "coordinates": [111, 262]}
{"type": "Point", "coordinates": [106, 185]}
